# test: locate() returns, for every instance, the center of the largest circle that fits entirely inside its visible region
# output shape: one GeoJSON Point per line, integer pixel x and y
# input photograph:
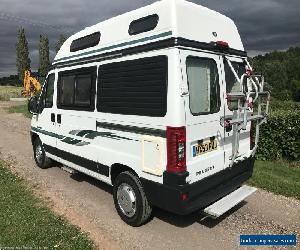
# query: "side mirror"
{"type": "Point", "coordinates": [33, 105]}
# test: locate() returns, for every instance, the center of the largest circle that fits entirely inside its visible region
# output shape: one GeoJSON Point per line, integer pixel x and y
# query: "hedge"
{"type": "Point", "coordinates": [280, 137]}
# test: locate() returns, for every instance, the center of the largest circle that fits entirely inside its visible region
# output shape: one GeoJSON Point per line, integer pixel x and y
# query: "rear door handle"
{"type": "Point", "coordinates": [59, 118]}
{"type": "Point", "coordinates": [52, 117]}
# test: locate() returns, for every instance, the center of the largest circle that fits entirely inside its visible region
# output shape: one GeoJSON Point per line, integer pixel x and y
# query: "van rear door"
{"type": "Point", "coordinates": [204, 108]}
{"type": "Point", "coordinates": [230, 110]}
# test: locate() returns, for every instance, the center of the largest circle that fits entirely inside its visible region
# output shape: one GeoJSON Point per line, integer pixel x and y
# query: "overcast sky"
{"type": "Point", "coordinates": [264, 25]}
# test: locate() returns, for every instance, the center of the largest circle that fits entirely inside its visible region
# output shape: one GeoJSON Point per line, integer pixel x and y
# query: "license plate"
{"type": "Point", "coordinates": [204, 147]}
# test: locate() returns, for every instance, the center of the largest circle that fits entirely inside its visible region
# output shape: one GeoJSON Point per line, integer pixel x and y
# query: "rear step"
{"type": "Point", "coordinates": [225, 204]}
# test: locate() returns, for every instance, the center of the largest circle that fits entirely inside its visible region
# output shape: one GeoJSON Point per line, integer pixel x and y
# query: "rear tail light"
{"type": "Point", "coordinates": [176, 149]}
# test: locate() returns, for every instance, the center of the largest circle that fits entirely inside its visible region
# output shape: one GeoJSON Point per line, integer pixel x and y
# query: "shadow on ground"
{"type": "Point", "coordinates": [170, 218]}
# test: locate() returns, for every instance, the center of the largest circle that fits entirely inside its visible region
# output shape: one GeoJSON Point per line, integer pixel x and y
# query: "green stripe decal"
{"type": "Point", "coordinates": [144, 39]}
{"type": "Point", "coordinates": [89, 134]}
{"type": "Point", "coordinates": [39, 130]}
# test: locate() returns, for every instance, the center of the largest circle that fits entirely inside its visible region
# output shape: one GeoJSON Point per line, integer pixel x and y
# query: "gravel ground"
{"type": "Point", "coordinates": [88, 203]}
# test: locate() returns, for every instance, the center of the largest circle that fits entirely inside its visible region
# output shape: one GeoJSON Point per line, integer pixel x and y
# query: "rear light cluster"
{"type": "Point", "coordinates": [176, 149]}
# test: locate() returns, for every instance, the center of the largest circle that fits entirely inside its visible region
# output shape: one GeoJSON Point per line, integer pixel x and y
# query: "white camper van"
{"type": "Point", "coordinates": [157, 102]}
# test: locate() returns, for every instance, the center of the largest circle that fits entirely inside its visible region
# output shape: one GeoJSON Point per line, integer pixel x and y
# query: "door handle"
{"type": "Point", "coordinates": [59, 118]}
{"type": "Point", "coordinates": [52, 117]}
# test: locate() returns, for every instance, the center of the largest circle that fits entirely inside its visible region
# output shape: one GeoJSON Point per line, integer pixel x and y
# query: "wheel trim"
{"type": "Point", "coordinates": [39, 154]}
{"type": "Point", "coordinates": [126, 200]}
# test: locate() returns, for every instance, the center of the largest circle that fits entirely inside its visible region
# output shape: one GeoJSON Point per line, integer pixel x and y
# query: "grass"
{"type": "Point", "coordinates": [279, 177]}
{"type": "Point", "coordinates": [23, 109]}
{"type": "Point", "coordinates": [26, 222]}
{"type": "Point", "coordinates": [7, 92]}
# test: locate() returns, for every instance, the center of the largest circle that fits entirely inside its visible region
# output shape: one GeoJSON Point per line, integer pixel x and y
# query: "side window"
{"type": "Point", "coordinates": [76, 89]}
{"type": "Point", "coordinates": [66, 87]}
{"type": "Point", "coordinates": [49, 91]}
{"type": "Point", "coordinates": [143, 24]}
{"type": "Point", "coordinates": [203, 82]}
{"type": "Point", "coordinates": [136, 87]}
{"type": "Point", "coordinates": [85, 42]}
{"type": "Point", "coordinates": [83, 90]}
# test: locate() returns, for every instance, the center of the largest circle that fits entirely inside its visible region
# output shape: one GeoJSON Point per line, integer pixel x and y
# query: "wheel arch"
{"type": "Point", "coordinates": [117, 169]}
{"type": "Point", "coordinates": [33, 137]}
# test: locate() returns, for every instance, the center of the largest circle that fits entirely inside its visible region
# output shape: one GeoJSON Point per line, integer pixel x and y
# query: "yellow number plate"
{"type": "Point", "coordinates": [204, 147]}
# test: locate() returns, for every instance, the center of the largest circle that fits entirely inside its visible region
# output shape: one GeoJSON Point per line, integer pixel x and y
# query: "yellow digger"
{"type": "Point", "coordinates": [31, 86]}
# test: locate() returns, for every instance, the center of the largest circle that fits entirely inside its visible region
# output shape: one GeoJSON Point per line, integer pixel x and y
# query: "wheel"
{"type": "Point", "coordinates": [42, 161]}
{"type": "Point", "coordinates": [130, 199]}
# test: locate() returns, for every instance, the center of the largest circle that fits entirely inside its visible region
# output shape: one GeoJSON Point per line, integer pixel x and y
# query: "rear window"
{"type": "Point", "coordinates": [136, 87]}
{"type": "Point", "coordinates": [232, 84]}
{"type": "Point", "coordinates": [204, 89]}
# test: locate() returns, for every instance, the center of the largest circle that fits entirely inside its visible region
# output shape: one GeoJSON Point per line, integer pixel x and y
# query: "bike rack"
{"type": "Point", "coordinates": [250, 94]}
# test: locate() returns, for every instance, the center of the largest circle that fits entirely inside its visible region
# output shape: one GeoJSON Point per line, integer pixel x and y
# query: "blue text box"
{"type": "Point", "coordinates": [268, 240]}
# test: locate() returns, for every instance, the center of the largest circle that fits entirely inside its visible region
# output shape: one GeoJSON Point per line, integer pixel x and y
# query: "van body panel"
{"type": "Point", "coordinates": [172, 77]}
{"type": "Point", "coordinates": [177, 18]}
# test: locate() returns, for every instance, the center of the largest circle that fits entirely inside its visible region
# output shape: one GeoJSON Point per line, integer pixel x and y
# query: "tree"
{"type": "Point", "coordinates": [23, 60]}
{"type": "Point", "coordinates": [44, 62]}
{"type": "Point", "coordinates": [59, 43]}
{"type": "Point", "coordinates": [282, 71]}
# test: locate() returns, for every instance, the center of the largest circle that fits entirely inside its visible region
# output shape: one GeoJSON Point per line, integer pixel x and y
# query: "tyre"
{"type": "Point", "coordinates": [130, 199]}
{"type": "Point", "coordinates": [41, 160]}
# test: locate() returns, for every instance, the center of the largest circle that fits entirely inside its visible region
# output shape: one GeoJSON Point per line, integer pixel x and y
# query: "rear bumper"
{"type": "Point", "coordinates": [200, 194]}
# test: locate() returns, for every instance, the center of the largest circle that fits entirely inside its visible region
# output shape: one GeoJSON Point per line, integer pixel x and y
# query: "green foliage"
{"type": "Point", "coordinates": [280, 137]}
{"type": "Point", "coordinates": [295, 88]}
{"type": "Point", "coordinates": [26, 222]}
{"type": "Point", "coordinates": [59, 43]}
{"type": "Point", "coordinates": [12, 80]}
{"type": "Point", "coordinates": [282, 72]}
{"type": "Point", "coordinates": [21, 109]}
{"type": "Point", "coordinates": [23, 60]}
{"type": "Point", "coordinates": [278, 177]}
{"type": "Point", "coordinates": [44, 62]}
{"type": "Point", "coordinates": [286, 105]}
{"type": "Point", "coordinates": [7, 92]}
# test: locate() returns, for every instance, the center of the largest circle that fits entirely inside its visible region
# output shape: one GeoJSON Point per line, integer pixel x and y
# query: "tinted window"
{"type": "Point", "coordinates": [49, 91]}
{"type": "Point", "coordinates": [67, 86]}
{"type": "Point", "coordinates": [76, 89]}
{"type": "Point", "coordinates": [137, 87]}
{"type": "Point", "coordinates": [143, 24]}
{"type": "Point", "coordinates": [83, 90]}
{"type": "Point", "coordinates": [203, 81]}
{"type": "Point", "coordinates": [232, 84]}
{"type": "Point", "coordinates": [85, 42]}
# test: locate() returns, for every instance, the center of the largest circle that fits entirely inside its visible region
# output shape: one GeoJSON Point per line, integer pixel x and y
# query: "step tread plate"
{"type": "Point", "coordinates": [226, 203]}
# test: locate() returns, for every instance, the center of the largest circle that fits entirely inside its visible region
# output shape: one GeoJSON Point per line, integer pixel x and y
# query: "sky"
{"type": "Point", "coordinates": [264, 25]}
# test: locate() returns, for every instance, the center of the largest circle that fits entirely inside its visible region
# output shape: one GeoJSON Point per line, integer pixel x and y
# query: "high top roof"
{"type": "Point", "coordinates": [177, 18]}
